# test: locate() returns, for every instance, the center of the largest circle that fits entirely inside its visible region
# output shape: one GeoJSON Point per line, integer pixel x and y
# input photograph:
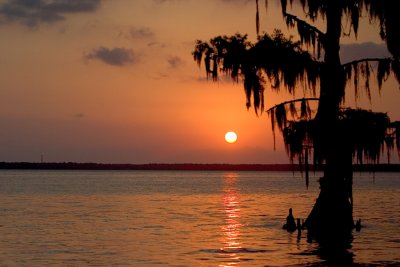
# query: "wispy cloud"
{"type": "Point", "coordinates": [34, 12]}
{"type": "Point", "coordinates": [140, 33]}
{"type": "Point", "coordinates": [175, 62]}
{"type": "Point", "coordinates": [157, 45]}
{"type": "Point", "coordinates": [114, 56]}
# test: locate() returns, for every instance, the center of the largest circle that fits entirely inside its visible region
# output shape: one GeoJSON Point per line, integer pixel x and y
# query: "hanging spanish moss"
{"type": "Point", "coordinates": [279, 112]}
{"type": "Point", "coordinates": [257, 19]}
{"type": "Point", "coordinates": [271, 57]}
{"type": "Point", "coordinates": [359, 70]}
{"type": "Point", "coordinates": [367, 132]}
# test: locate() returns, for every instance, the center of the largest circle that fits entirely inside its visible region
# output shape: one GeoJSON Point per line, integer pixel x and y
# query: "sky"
{"type": "Point", "coordinates": [114, 81]}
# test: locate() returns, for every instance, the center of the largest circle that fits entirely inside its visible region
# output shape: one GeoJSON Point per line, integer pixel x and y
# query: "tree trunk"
{"type": "Point", "coordinates": [331, 218]}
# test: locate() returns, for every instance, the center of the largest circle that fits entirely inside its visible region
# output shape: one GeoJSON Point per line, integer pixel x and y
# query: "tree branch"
{"type": "Point", "coordinates": [293, 101]}
{"type": "Point", "coordinates": [303, 22]}
{"type": "Point", "coordinates": [309, 34]}
{"type": "Point", "coordinates": [366, 60]}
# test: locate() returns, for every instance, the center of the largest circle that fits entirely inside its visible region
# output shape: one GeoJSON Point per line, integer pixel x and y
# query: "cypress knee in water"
{"type": "Point", "coordinates": [290, 224]}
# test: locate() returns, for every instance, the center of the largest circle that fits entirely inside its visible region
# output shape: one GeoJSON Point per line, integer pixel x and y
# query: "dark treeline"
{"type": "Point", "coordinates": [180, 166]}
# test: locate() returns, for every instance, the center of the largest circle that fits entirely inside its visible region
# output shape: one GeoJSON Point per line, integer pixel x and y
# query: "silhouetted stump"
{"type": "Point", "coordinates": [290, 224]}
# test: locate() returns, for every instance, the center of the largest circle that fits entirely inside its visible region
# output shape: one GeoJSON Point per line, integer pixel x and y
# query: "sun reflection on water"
{"type": "Point", "coordinates": [231, 228]}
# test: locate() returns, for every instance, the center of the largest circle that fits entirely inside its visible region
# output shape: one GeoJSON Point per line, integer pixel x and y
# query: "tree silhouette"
{"type": "Point", "coordinates": [334, 135]}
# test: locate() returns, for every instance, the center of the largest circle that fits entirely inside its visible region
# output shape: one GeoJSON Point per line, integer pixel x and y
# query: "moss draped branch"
{"type": "Point", "coordinates": [365, 132]}
{"type": "Point", "coordinates": [309, 34]}
{"type": "Point", "coordinates": [279, 113]}
{"type": "Point", "coordinates": [274, 57]}
{"type": "Point", "coordinates": [362, 67]}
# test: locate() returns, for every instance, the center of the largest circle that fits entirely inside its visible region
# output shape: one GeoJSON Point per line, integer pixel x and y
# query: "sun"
{"type": "Point", "coordinates": [230, 137]}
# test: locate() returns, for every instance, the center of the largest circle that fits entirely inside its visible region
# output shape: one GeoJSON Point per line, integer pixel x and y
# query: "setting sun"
{"type": "Point", "coordinates": [230, 137]}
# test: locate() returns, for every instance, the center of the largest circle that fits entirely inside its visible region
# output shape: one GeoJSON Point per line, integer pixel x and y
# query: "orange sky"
{"type": "Point", "coordinates": [115, 82]}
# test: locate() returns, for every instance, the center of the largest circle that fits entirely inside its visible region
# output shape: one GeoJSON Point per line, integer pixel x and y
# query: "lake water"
{"type": "Point", "coordinates": [181, 218]}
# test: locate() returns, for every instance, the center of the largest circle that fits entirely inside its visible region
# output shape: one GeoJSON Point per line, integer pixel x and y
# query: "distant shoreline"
{"type": "Point", "coordinates": [181, 167]}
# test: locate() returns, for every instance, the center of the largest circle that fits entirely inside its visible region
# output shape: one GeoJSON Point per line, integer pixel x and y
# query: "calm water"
{"type": "Point", "coordinates": [155, 218]}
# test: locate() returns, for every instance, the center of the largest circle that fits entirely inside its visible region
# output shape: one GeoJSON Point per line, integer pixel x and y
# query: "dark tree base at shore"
{"type": "Point", "coordinates": [331, 219]}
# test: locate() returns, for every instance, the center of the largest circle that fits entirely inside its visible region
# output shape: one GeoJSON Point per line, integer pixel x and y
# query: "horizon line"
{"type": "Point", "coordinates": [386, 167]}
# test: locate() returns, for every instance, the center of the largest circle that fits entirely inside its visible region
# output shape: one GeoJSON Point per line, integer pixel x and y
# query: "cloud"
{"type": "Point", "coordinates": [34, 12]}
{"type": "Point", "coordinates": [350, 52]}
{"type": "Point", "coordinates": [175, 62]}
{"type": "Point", "coordinates": [141, 33]}
{"type": "Point", "coordinates": [114, 56]}
{"type": "Point", "coordinates": [157, 45]}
